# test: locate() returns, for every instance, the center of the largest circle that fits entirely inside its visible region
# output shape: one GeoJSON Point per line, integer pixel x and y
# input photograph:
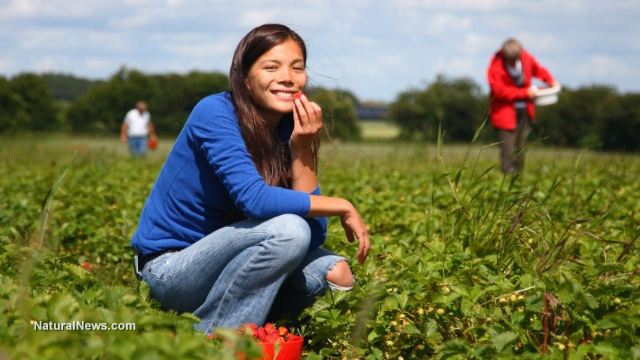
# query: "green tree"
{"type": "Point", "coordinates": [176, 96]}
{"type": "Point", "coordinates": [622, 128]}
{"type": "Point", "coordinates": [13, 115]}
{"type": "Point", "coordinates": [171, 97]}
{"type": "Point", "coordinates": [457, 105]}
{"type": "Point", "coordinates": [338, 112]}
{"type": "Point", "coordinates": [580, 117]}
{"type": "Point", "coordinates": [29, 105]}
{"type": "Point", "coordinates": [66, 87]}
{"type": "Point", "coordinates": [103, 107]}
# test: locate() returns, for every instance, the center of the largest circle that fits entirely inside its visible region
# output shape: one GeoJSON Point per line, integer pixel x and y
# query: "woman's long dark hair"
{"type": "Point", "coordinates": [271, 157]}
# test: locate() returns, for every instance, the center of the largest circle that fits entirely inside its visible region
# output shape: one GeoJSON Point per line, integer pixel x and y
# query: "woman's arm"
{"type": "Point", "coordinates": [213, 131]}
{"type": "Point", "coordinates": [307, 122]}
{"type": "Point", "coordinates": [351, 221]}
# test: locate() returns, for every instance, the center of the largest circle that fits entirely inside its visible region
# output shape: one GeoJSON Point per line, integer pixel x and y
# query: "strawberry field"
{"type": "Point", "coordinates": [465, 263]}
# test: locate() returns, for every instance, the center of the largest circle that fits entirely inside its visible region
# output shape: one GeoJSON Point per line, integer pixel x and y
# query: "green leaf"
{"type": "Point", "coordinates": [372, 336]}
{"type": "Point", "coordinates": [635, 352]}
{"type": "Point", "coordinates": [190, 317]}
{"type": "Point", "coordinates": [465, 306]}
{"type": "Point", "coordinates": [502, 340]}
{"type": "Point", "coordinates": [313, 356]}
{"type": "Point", "coordinates": [410, 329]}
{"type": "Point", "coordinates": [77, 272]}
{"type": "Point", "coordinates": [453, 348]}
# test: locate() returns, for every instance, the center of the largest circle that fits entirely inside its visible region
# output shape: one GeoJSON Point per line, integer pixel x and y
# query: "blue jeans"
{"type": "Point", "coordinates": [138, 146]}
{"type": "Point", "coordinates": [233, 275]}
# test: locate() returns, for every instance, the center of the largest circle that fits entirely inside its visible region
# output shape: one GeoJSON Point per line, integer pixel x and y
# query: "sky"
{"type": "Point", "coordinates": [375, 49]}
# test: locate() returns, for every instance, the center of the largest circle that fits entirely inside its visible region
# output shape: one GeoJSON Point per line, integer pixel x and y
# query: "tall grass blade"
{"type": "Point", "coordinates": [45, 208]}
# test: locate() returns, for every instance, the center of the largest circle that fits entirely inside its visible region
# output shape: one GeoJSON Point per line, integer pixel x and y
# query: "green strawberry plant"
{"type": "Point", "coordinates": [465, 264]}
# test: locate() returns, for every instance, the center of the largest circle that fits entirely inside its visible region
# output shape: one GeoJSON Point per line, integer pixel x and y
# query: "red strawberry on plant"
{"type": "Point", "coordinates": [86, 265]}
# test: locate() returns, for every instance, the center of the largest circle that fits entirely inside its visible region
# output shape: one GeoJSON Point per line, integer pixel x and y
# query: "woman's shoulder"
{"type": "Point", "coordinates": [216, 102]}
{"type": "Point", "coordinates": [212, 108]}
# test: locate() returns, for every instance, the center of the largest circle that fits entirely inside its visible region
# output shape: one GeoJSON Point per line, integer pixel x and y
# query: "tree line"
{"type": "Point", "coordinates": [595, 117]}
{"type": "Point", "coordinates": [64, 103]}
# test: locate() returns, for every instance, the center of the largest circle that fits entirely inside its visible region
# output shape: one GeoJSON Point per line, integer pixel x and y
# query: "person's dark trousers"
{"type": "Point", "coordinates": [512, 143]}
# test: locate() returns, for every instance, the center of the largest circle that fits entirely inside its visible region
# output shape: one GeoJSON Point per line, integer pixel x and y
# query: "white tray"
{"type": "Point", "coordinates": [547, 96]}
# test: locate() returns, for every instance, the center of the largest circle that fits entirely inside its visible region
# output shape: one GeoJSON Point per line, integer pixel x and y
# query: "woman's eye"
{"type": "Point", "coordinates": [270, 68]}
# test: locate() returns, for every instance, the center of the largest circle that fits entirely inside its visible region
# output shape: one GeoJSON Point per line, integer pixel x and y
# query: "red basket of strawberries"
{"type": "Point", "coordinates": [276, 344]}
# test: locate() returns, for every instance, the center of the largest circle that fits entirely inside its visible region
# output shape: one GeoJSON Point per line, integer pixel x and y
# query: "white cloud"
{"type": "Point", "coordinates": [94, 64]}
{"type": "Point", "coordinates": [61, 40]}
{"type": "Point", "coordinates": [603, 67]}
{"type": "Point", "coordinates": [480, 45]}
{"type": "Point", "coordinates": [46, 64]}
{"type": "Point", "coordinates": [363, 41]}
{"type": "Point", "coordinates": [547, 40]}
{"type": "Point", "coordinates": [141, 4]}
{"type": "Point", "coordinates": [391, 60]}
{"type": "Point", "coordinates": [369, 47]}
{"type": "Point", "coordinates": [19, 9]}
{"type": "Point", "coordinates": [483, 5]}
{"type": "Point", "coordinates": [446, 22]}
{"type": "Point", "coordinates": [199, 44]}
{"type": "Point", "coordinates": [6, 64]}
{"type": "Point", "coordinates": [136, 20]}
{"type": "Point", "coordinates": [252, 18]}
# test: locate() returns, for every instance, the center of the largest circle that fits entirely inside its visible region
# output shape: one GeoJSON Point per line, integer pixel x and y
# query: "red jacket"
{"type": "Point", "coordinates": [504, 90]}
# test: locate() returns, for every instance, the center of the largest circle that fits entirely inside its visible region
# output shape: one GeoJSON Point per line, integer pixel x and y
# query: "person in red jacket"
{"type": "Point", "coordinates": [512, 109]}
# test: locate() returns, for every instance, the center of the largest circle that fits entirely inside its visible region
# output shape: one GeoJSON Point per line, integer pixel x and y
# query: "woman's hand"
{"type": "Point", "coordinates": [355, 228]}
{"type": "Point", "coordinates": [307, 122]}
{"type": "Point", "coordinates": [351, 221]}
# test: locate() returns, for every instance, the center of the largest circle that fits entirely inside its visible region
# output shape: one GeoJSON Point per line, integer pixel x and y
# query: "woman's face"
{"type": "Point", "coordinates": [275, 77]}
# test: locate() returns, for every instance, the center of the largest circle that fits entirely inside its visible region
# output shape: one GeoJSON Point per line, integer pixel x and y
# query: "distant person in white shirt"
{"type": "Point", "coordinates": [136, 127]}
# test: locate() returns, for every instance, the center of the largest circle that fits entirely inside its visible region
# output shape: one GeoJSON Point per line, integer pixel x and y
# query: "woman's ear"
{"type": "Point", "coordinates": [246, 83]}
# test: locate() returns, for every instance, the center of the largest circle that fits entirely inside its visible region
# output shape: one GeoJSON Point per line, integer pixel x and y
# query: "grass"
{"type": "Point", "coordinates": [378, 130]}
{"type": "Point", "coordinates": [453, 241]}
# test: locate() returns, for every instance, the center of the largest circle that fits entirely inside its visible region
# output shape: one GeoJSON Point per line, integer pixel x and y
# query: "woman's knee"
{"type": "Point", "coordinates": [293, 233]}
{"type": "Point", "coordinates": [341, 275]}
